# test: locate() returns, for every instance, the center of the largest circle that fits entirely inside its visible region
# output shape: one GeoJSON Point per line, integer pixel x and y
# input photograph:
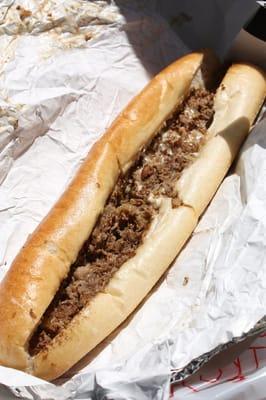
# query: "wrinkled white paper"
{"type": "Point", "coordinates": [62, 83]}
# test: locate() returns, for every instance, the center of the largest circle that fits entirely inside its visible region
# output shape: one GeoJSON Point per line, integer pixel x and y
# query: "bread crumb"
{"type": "Point", "coordinates": [185, 281]}
{"type": "Point", "coordinates": [24, 13]}
{"type": "Point", "coordinates": [87, 36]}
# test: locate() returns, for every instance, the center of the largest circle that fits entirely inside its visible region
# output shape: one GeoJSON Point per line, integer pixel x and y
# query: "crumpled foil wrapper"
{"type": "Point", "coordinates": [68, 68]}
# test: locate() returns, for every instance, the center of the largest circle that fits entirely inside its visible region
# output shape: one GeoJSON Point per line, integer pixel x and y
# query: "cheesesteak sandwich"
{"type": "Point", "coordinates": [127, 213]}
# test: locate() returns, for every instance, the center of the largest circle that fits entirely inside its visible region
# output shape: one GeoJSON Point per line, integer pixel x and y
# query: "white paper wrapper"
{"type": "Point", "coordinates": [60, 88]}
{"type": "Point", "coordinates": [238, 373]}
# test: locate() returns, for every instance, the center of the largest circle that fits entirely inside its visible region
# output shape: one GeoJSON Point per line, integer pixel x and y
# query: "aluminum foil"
{"type": "Point", "coordinates": [68, 68]}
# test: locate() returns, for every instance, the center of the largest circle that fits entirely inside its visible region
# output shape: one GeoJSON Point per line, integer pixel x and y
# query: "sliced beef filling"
{"type": "Point", "coordinates": [128, 213]}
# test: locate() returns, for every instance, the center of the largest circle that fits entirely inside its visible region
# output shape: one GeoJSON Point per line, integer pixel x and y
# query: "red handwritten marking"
{"type": "Point", "coordinates": [254, 350]}
{"type": "Point", "coordinates": [258, 347]}
{"type": "Point", "coordinates": [213, 380]}
{"type": "Point", "coordinates": [239, 376]}
{"type": "Point", "coordinates": [255, 357]}
{"type": "Point", "coordinates": [171, 391]}
{"type": "Point", "coordinates": [190, 387]}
